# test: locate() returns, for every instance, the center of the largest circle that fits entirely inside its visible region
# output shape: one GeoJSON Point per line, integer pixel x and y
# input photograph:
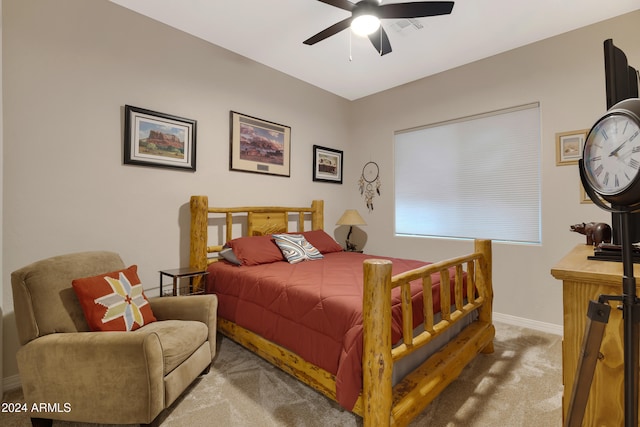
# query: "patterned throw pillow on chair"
{"type": "Point", "coordinates": [114, 301]}
{"type": "Point", "coordinates": [296, 248]}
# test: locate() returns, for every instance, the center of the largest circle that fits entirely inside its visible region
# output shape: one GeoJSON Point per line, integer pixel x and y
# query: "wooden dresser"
{"type": "Point", "coordinates": [584, 280]}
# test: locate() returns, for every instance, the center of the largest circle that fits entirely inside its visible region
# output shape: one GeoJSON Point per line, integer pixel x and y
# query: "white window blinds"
{"type": "Point", "coordinates": [477, 177]}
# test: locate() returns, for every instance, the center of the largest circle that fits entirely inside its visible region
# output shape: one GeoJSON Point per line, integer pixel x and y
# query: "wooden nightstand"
{"type": "Point", "coordinates": [178, 273]}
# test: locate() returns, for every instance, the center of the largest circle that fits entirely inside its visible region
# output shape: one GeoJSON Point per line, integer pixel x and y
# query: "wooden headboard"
{"type": "Point", "coordinates": [260, 220]}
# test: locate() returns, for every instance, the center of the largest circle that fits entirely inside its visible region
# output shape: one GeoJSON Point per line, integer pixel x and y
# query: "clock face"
{"type": "Point", "coordinates": [612, 154]}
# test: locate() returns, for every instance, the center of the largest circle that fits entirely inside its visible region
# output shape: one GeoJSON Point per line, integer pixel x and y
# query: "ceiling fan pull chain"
{"type": "Point", "coordinates": [350, 53]}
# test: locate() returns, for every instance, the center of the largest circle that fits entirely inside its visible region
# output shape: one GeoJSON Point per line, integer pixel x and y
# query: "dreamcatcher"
{"type": "Point", "coordinates": [370, 177]}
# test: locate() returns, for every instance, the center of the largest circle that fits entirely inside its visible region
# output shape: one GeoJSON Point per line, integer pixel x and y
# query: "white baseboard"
{"type": "Point", "coordinates": [528, 323]}
{"type": "Point", "coordinates": [11, 383]}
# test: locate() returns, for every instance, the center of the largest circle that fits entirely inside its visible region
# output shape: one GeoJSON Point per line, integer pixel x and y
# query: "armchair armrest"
{"type": "Point", "coordinates": [193, 307]}
{"type": "Point", "coordinates": [82, 368]}
{"type": "Point", "coordinates": [203, 308]}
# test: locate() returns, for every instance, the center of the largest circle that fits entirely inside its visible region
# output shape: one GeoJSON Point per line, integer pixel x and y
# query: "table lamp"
{"type": "Point", "coordinates": [350, 217]}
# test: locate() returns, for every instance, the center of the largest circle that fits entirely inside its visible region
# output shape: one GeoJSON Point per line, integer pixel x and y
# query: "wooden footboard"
{"type": "Point", "coordinates": [384, 405]}
{"type": "Point", "coordinates": [380, 403]}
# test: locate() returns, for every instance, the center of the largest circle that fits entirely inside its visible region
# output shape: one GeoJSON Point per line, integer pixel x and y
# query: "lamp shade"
{"type": "Point", "coordinates": [351, 217]}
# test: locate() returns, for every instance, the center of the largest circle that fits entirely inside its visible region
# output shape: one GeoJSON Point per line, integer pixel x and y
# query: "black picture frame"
{"type": "Point", "coordinates": [327, 164]}
{"type": "Point", "coordinates": [158, 139]}
{"type": "Point", "coordinates": [259, 146]}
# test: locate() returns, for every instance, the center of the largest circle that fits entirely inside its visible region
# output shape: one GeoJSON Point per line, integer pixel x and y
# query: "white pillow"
{"type": "Point", "coordinates": [296, 248]}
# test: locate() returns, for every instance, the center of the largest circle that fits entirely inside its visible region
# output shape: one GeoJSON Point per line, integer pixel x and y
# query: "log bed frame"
{"type": "Point", "coordinates": [380, 403]}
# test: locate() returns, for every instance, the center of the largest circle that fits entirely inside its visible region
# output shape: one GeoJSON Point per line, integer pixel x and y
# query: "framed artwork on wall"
{"type": "Point", "coordinates": [569, 146]}
{"type": "Point", "coordinates": [584, 198]}
{"type": "Point", "coordinates": [327, 164]}
{"type": "Point", "coordinates": [159, 140]}
{"type": "Point", "coordinates": [259, 146]}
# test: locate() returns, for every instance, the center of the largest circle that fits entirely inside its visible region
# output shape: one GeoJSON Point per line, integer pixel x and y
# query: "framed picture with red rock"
{"type": "Point", "coordinates": [158, 139]}
{"type": "Point", "coordinates": [259, 146]}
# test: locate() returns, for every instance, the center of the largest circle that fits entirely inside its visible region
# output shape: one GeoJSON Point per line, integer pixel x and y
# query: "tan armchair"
{"type": "Point", "coordinates": [104, 377]}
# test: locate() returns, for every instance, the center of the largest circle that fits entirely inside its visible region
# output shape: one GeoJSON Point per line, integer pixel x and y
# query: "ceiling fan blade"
{"type": "Point", "coordinates": [328, 32]}
{"type": "Point", "coordinates": [380, 41]}
{"type": "Point", "coordinates": [417, 9]}
{"type": "Point", "coordinates": [341, 4]}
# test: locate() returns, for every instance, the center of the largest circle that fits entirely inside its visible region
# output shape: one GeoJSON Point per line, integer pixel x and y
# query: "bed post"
{"type": "Point", "coordinates": [317, 216]}
{"type": "Point", "coordinates": [377, 364]}
{"type": "Point", "coordinates": [198, 240]}
{"type": "Point", "coordinates": [486, 285]}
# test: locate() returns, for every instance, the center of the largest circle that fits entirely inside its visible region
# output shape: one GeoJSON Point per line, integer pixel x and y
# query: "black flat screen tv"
{"type": "Point", "coordinates": [621, 82]}
{"type": "Point", "coordinates": [621, 79]}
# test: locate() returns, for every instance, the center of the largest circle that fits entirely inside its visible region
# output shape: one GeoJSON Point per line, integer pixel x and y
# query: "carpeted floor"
{"type": "Point", "coordinates": [520, 384]}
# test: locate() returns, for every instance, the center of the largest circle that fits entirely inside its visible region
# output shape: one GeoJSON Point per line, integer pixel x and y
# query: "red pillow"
{"type": "Point", "coordinates": [114, 301]}
{"type": "Point", "coordinates": [322, 241]}
{"type": "Point", "coordinates": [255, 250]}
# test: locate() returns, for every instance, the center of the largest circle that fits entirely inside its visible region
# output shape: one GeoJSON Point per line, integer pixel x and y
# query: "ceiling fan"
{"type": "Point", "coordinates": [366, 15]}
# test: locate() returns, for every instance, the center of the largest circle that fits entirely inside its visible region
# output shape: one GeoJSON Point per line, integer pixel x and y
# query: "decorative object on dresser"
{"type": "Point", "coordinates": [350, 217]}
{"type": "Point", "coordinates": [259, 146]}
{"type": "Point", "coordinates": [91, 339]}
{"type": "Point", "coordinates": [596, 232]}
{"type": "Point", "coordinates": [158, 139]}
{"type": "Point", "coordinates": [341, 325]}
{"type": "Point", "coordinates": [327, 164]}
{"type": "Point", "coordinates": [369, 178]}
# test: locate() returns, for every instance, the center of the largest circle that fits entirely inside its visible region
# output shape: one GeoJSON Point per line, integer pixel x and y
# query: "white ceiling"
{"type": "Point", "coordinates": [271, 32]}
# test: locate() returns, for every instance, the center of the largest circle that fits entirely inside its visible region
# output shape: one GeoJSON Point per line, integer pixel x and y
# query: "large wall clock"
{"type": "Point", "coordinates": [611, 156]}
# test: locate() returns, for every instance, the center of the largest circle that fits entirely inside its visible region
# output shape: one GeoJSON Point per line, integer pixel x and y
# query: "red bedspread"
{"type": "Point", "coordinates": [312, 308]}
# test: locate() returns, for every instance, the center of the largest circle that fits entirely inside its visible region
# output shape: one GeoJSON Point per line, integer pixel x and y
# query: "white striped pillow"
{"type": "Point", "coordinates": [296, 248]}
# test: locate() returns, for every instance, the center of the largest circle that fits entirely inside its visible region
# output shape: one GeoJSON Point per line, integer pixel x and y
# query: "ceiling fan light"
{"type": "Point", "coordinates": [364, 25]}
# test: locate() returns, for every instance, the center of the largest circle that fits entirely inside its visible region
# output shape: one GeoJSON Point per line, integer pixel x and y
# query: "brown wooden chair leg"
{"type": "Point", "coordinates": [206, 370]}
{"type": "Point", "coordinates": [155, 423]}
{"type": "Point", "coordinates": [41, 422]}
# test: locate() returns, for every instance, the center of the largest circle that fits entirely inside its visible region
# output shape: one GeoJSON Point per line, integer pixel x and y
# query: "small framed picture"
{"type": "Point", "coordinates": [584, 197]}
{"type": "Point", "coordinates": [158, 139]}
{"type": "Point", "coordinates": [569, 146]}
{"type": "Point", "coordinates": [327, 164]}
{"type": "Point", "coordinates": [259, 146]}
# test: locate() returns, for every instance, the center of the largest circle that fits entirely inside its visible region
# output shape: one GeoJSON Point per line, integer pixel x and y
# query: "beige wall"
{"type": "Point", "coordinates": [70, 66]}
{"type": "Point", "coordinates": [565, 74]}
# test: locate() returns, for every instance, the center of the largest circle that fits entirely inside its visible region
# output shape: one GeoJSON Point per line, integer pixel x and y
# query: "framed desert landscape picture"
{"type": "Point", "coordinates": [157, 139]}
{"type": "Point", "coordinates": [259, 146]}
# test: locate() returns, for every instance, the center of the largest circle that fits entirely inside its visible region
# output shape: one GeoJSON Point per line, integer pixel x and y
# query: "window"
{"type": "Point", "coordinates": [476, 177]}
